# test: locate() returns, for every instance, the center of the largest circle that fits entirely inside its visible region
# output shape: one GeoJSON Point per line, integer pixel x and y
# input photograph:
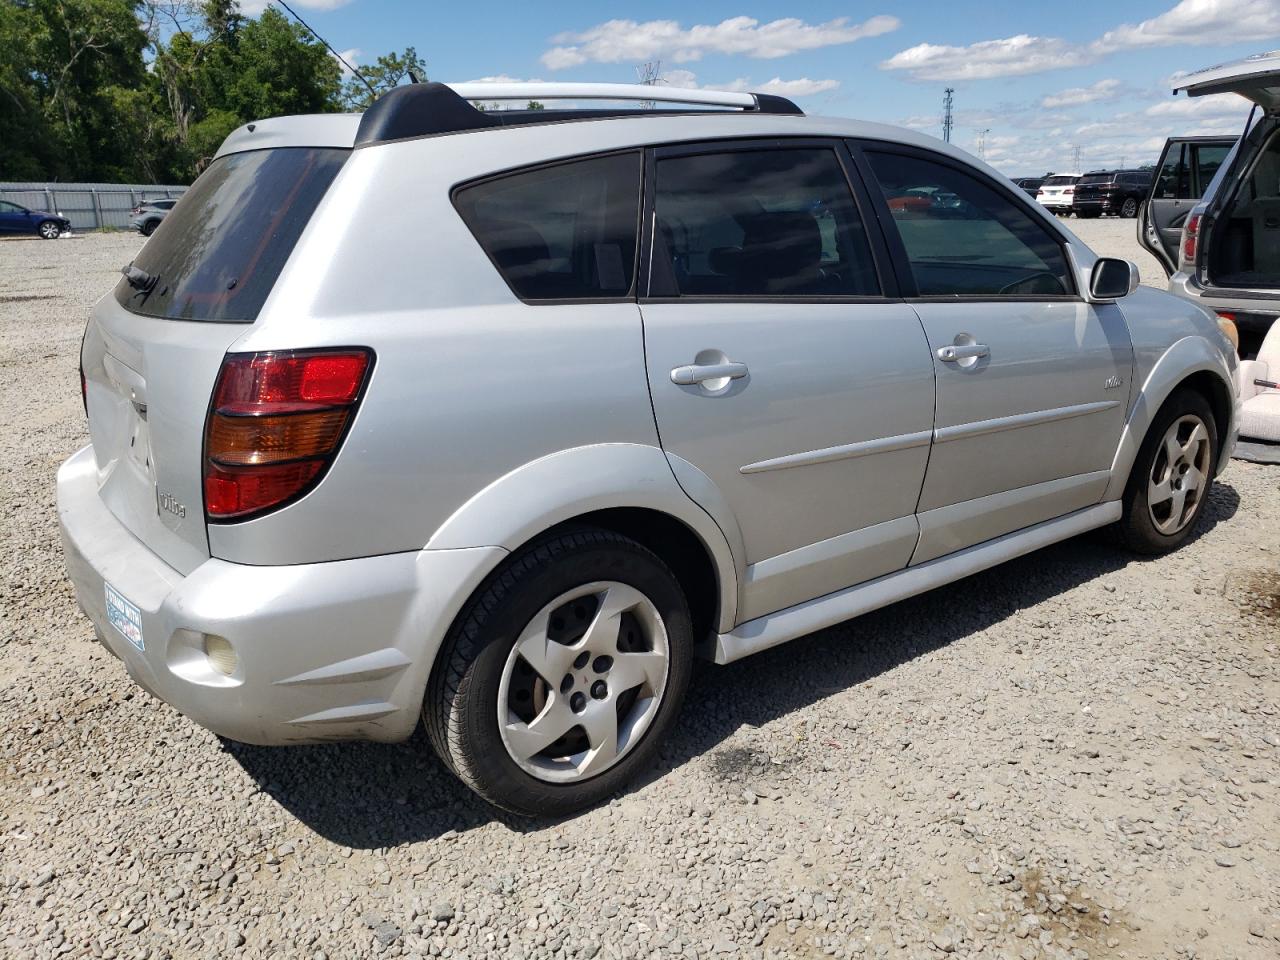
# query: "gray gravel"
{"type": "Point", "coordinates": [1074, 755]}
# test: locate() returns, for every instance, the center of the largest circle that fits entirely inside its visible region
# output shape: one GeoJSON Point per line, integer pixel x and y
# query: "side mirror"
{"type": "Point", "coordinates": [1112, 279]}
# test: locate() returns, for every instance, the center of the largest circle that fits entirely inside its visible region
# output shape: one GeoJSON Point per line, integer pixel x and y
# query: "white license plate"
{"type": "Point", "coordinates": [124, 616]}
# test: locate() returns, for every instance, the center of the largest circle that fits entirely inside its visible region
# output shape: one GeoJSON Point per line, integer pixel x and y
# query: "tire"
{"type": "Point", "coordinates": [149, 227]}
{"type": "Point", "coordinates": [535, 604]}
{"type": "Point", "coordinates": [1154, 529]}
{"type": "Point", "coordinates": [1129, 209]}
{"type": "Point", "coordinates": [49, 229]}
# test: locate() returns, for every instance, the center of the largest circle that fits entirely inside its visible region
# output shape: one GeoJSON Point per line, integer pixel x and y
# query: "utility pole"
{"type": "Point", "coordinates": [982, 144]}
{"type": "Point", "coordinates": [947, 101]}
{"type": "Point", "coordinates": [650, 75]}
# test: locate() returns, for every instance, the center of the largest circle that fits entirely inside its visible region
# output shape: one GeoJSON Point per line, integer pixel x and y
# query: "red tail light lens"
{"type": "Point", "coordinates": [1190, 234]}
{"type": "Point", "coordinates": [277, 420]}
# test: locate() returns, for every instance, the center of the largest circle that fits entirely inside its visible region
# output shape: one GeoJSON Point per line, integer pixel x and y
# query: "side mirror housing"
{"type": "Point", "coordinates": [1112, 279]}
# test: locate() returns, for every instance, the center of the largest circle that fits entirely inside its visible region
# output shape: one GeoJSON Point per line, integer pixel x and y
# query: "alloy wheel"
{"type": "Point", "coordinates": [1130, 208]}
{"type": "Point", "coordinates": [49, 230]}
{"type": "Point", "coordinates": [583, 682]}
{"type": "Point", "coordinates": [1179, 474]}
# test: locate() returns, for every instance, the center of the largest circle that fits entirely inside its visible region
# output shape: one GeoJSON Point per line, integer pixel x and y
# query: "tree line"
{"type": "Point", "coordinates": [144, 92]}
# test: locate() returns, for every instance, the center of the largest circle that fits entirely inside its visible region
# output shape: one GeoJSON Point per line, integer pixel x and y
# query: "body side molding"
{"type": "Point", "coordinates": [775, 628]}
{"type": "Point", "coordinates": [845, 451]}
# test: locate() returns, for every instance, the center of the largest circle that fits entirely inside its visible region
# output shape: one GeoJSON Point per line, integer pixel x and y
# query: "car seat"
{"type": "Point", "coordinates": [1259, 403]}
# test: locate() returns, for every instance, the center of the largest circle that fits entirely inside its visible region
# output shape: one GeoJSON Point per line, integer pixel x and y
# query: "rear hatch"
{"type": "Point", "coordinates": [153, 348]}
{"type": "Point", "coordinates": [1255, 78]}
{"type": "Point", "coordinates": [1093, 186]}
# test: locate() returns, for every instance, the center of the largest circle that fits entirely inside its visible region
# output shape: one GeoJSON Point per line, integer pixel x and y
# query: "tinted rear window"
{"type": "Point", "coordinates": [1098, 178]}
{"type": "Point", "coordinates": [563, 232]}
{"type": "Point", "coordinates": [1059, 181]}
{"type": "Point", "coordinates": [218, 253]}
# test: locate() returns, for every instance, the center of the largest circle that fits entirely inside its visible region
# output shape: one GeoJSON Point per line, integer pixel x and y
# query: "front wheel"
{"type": "Point", "coordinates": [1172, 476]}
{"type": "Point", "coordinates": [560, 680]}
{"type": "Point", "coordinates": [149, 227]}
{"type": "Point", "coordinates": [49, 230]}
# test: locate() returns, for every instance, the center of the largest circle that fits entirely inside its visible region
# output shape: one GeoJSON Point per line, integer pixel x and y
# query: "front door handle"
{"type": "Point", "coordinates": [692, 373]}
{"type": "Point", "coordinates": [963, 351]}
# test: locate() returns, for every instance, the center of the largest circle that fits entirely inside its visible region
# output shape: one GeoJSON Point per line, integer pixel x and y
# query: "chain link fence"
{"type": "Point", "coordinates": [89, 206]}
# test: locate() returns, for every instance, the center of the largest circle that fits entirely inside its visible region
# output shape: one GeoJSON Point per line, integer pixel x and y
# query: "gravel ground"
{"type": "Point", "coordinates": [1074, 755]}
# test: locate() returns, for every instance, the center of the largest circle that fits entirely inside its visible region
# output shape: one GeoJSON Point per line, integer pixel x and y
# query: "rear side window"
{"type": "Point", "coordinates": [766, 223]}
{"type": "Point", "coordinates": [1208, 159]}
{"type": "Point", "coordinates": [564, 232]}
{"type": "Point", "coordinates": [965, 238]}
{"type": "Point", "coordinates": [217, 253]}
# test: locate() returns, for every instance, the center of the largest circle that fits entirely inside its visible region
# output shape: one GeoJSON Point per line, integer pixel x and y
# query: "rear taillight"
{"type": "Point", "coordinates": [1190, 234]}
{"type": "Point", "coordinates": [1069, 190]}
{"type": "Point", "coordinates": [276, 422]}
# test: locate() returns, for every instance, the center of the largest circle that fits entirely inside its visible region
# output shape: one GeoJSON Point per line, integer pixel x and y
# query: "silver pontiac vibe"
{"type": "Point", "coordinates": [497, 420]}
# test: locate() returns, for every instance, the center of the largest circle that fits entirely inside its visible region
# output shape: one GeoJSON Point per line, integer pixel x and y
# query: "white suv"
{"type": "Point", "coordinates": [1057, 193]}
{"type": "Point", "coordinates": [497, 419]}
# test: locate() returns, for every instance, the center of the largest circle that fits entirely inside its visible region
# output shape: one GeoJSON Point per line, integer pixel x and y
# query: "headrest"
{"type": "Point", "coordinates": [780, 246]}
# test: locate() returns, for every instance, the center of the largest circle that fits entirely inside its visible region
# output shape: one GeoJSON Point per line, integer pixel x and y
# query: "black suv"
{"type": "Point", "coordinates": [1111, 191]}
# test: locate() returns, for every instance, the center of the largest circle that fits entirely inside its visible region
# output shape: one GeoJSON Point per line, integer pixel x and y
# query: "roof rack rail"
{"type": "Point", "coordinates": [427, 109]}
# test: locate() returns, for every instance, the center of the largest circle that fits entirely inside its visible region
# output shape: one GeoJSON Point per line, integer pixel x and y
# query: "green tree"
{"type": "Point", "coordinates": [386, 73]}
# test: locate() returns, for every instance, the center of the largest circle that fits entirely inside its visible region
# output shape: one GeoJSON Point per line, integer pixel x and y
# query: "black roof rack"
{"type": "Point", "coordinates": [428, 109]}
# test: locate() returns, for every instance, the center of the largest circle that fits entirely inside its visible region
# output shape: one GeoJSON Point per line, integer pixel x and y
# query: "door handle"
{"type": "Point", "coordinates": [693, 373]}
{"type": "Point", "coordinates": [963, 351]}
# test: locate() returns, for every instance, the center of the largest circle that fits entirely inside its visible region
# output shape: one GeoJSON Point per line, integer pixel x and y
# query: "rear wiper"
{"type": "Point", "coordinates": [138, 278]}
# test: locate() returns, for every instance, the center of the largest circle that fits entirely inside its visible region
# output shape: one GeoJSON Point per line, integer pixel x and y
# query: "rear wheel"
{"type": "Point", "coordinates": [1129, 209]}
{"type": "Point", "coordinates": [1171, 477]}
{"type": "Point", "coordinates": [49, 230]}
{"type": "Point", "coordinates": [559, 682]}
{"type": "Point", "coordinates": [149, 227]}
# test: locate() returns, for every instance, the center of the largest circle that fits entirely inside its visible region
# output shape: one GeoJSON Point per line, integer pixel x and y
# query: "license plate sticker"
{"type": "Point", "coordinates": [124, 616]}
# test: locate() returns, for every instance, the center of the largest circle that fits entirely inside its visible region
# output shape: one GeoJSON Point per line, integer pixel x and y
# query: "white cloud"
{"type": "Point", "coordinates": [1189, 22]}
{"type": "Point", "coordinates": [1223, 106]}
{"type": "Point", "coordinates": [621, 41]}
{"type": "Point", "coordinates": [501, 78]}
{"type": "Point", "coordinates": [1009, 57]}
{"type": "Point", "coordinates": [1078, 96]}
{"type": "Point", "coordinates": [352, 56]}
{"type": "Point", "coordinates": [1199, 22]}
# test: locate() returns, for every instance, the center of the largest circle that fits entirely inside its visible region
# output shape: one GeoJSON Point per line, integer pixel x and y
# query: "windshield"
{"type": "Point", "coordinates": [218, 252]}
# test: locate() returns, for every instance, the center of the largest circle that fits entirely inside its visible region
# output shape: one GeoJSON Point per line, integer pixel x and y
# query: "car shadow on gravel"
{"type": "Point", "coordinates": [367, 795]}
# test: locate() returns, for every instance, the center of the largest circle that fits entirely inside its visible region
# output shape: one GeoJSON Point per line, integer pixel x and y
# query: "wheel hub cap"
{"type": "Point", "coordinates": [583, 682]}
{"type": "Point", "coordinates": [1179, 474]}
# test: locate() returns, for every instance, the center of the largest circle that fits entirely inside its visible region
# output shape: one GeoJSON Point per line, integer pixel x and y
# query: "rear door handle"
{"type": "Point", "coordinates": [963, 351]}
{"type": "Point", "coordinates": [693, 373]}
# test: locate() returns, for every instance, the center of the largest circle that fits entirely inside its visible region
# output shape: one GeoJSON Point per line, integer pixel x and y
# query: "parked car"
{"type": "Point", "coordinates": [513, 476]}
{"type": "Point", "coordinates": [1228, 260]}
{"type": "Point", "coordinates": [1030, 185]}
{"type": "Point", "coordinates": [1118, 192]}
{"type": "Point", "coordinates": [1057, 192]}
{"type": "Point", "coordinates": [15, 218]}
{"type": "Point", "coordinates": [147, 216]}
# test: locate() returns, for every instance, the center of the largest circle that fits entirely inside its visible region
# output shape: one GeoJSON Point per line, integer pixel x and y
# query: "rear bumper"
{"type": "Point", "coordinates": [326, 651]}
{"type": "Point", "coordinates": [1255, 313]}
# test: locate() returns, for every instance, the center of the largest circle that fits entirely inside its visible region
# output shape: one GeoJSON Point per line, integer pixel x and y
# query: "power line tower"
{"type": "Point", "coordinates": [650, 75]}
{"type": "Point", "coordinates": [982, 144]}
{"type": "Point", "coordinates": [947, 101]}
{"type": "Point", "coordinates": [1075, 158]}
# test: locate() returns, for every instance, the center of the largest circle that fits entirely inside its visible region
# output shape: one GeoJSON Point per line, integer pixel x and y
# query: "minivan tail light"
{"type": "Point", "coordinates": [1190, 235]}
{"type": "Point", "coordinates": [276, 422]}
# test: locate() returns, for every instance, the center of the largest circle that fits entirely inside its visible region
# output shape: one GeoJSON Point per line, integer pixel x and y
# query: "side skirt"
{"type": "Point", "coordinates": [804, 618]}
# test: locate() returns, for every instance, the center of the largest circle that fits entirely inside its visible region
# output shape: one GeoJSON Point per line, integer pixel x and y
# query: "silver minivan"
{"type": "Point", "coordinates": [497, 419]}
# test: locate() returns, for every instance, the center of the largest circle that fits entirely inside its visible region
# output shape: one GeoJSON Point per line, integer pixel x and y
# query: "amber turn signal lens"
{"type": "Point", "coordinates": [245, 441]}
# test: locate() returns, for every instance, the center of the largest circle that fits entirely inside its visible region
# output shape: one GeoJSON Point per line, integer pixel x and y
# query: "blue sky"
{"type": "Point", "coordinates": [1041, 79]}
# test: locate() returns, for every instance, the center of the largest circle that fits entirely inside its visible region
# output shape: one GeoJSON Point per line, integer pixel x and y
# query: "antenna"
{"type": "Point", "coordinates": [341, 59]}
{"type": "Point", "coordinates": [947, 101]}
{"type": "Point", "coordinates": [649, 74]}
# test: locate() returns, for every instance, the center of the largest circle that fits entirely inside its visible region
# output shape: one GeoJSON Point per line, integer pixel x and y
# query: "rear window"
{"type": "Point", "coordinates": [1058, 181]}
{"type": "Point", "coordinates": [1097, 178]}
{"type": "Point", "coordinates": [218, 253]}
{"type": "Point", "coordinates": [563, 232]}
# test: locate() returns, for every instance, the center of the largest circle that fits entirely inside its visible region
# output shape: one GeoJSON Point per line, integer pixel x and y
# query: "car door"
{"type": "Point", "coordinates": [793, 389]}
{"type": "Point", "coordinates": [1032, 381]}
{"type": "Point", "coordinates": [1185, 169]}
{"type": "Point", "coordinates": [13, 218]}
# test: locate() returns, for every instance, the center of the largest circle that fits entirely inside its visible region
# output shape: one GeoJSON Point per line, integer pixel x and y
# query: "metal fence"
{"type": "Point", "coordinates": [89, 206]}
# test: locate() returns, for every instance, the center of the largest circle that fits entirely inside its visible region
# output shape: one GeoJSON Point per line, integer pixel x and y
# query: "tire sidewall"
{"type": "Point", "coordinates": [476, 705]}
{"type": "Point", "coordinates": [1142, 532]}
